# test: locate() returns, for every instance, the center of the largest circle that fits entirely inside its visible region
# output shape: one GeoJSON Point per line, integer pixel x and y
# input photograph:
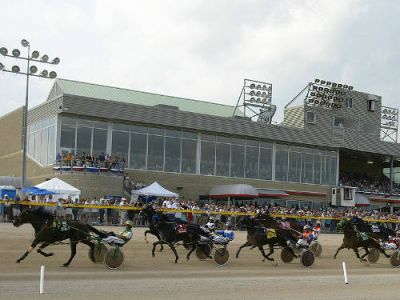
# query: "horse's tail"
{"type": "Point", "coordinates": [100, 233]}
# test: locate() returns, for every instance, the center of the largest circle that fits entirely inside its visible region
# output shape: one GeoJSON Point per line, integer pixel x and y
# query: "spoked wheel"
{"type": "Point", "coordinates": [395, 258]}
{"type": "Point", "coordinates": [221, 256]}
{"type": "Point", "coordinates": [373, 255]}
{"type": "Point", "coordinates": [286, 255]}
{"type": "Point", "coordinates": [307, 258]}
{"type": "Point", "coordinates": [99, 252]}
{"type": "Point", "coordinates": [114, 258]}
{"type": "Point", "coordinates": [316, 248]}
{"type": "Point", "coordinates": [203, 251]}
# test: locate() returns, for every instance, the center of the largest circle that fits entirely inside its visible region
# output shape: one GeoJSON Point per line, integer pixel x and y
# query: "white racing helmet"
{"type": "Point", "coordinates": [210, 225]}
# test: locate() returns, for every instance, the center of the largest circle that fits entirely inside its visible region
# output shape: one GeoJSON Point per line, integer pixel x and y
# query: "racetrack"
{"type": "Point", "coordinates": [144, 277]}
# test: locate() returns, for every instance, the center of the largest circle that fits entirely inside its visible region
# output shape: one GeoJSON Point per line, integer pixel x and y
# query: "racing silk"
{"type": "Point", "coordinates": [308, 236]}
{"type": "Point", "coordinates": [127, 234]}
{"type": "Point", "coordinates": [316, 230]}
{"type": "Point", "coordinates": [285, 225]}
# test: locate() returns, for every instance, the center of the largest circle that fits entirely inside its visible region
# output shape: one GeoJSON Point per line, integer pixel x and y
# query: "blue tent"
{"type": "Point", "coordinates": [37, 191]}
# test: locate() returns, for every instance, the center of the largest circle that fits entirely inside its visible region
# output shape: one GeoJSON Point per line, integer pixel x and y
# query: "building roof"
{"type": "Point", "coordinates": [96, 91]}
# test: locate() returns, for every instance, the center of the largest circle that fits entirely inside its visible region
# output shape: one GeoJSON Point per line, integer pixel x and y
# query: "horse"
{"type": "Point", "coordinates": [352, 240]}
{"type": "Point", "coordinates": [171, 232]}
{"type": "Point", "coordinates": [151, 215]}
{"type": "Point", "coordinates": [258, 236]}
{"type": "Point", "coordinates": [46, 233]}
{"type": "Point", "coordinates": [375, 231]}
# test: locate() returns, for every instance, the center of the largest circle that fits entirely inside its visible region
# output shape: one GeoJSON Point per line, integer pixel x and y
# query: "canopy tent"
{"type": "Point", "coordinates": [233, 190]}
{"type": "Point", "coordinates": [60, 188]}
{"type": "Point", "coordinates": [155, 189]}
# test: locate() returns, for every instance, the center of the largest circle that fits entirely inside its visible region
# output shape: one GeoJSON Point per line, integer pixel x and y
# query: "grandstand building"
{"type": "Point", "coordinates": [191, 146]}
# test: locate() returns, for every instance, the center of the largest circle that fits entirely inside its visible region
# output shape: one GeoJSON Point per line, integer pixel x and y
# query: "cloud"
{"type": "Point", "coordinates": [204, 49]}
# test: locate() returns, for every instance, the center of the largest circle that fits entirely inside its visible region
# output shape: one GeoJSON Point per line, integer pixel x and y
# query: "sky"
{"type": "Point", "coordinates": [205, 49]}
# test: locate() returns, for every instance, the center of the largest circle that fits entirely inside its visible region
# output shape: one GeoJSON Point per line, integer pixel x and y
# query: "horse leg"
{"type": "Point", "coordinates": [159, 238]}
{"type": "Point", "coordinates": [366, 252]}
{"type": "Point", "coordinates": [44, 245]}
{"type": "Point", "coordinates": [271, 251]}
{"type": "Point", "coordinates": [358, 254]}
{"type": "Point", "coordinates": [73, 252]}
{"type": "Point", "coordinates": [145, 236]}
{"type": "Point", "coordinates": [174, 250]}
{"type": "Point", "coordinates": [190, 252]}
{"type": "Point", "coordinates": [154, 247]}
{"type": "Point", "coordinates": [33, 245]}
{"type": "Point", "coordinates": [91, 245]}
{"type": "Point", "coordinates": [247, 244]}
{"type": "Point", "coordinates": [383, 251]}
{"type": "Point", "coordinates": [263, 253]}
{"type": "Point", "coordinates": [337, 251]}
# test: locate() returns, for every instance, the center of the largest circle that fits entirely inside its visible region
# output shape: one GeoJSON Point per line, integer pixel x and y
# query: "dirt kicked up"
{"type": "Point", "coordinates": [145, 277]}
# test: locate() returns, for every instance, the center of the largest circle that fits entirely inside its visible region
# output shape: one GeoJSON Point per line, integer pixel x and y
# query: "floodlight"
{"type": "Point", "coordinates": [16, 53]}
{"type": "Point", "coordinates": [258, 93]}
{"type": "Point", "coordinates": [24, 43]}
{"type": "Point", "coordinates": [252, 93]}
{"type": "Point", "coordinates": [53, 75]}
{"type": "Point", "coordinates": [328, 83]}
{"type": "Point", "coordinates": [264, 94]}
{"type": "Point", "coordinates": [3, 51]}
{"type": "Point", "coordinates": [252, 86]}
{"type": "Point", "coordinates": [350, 88]}
{"type": "Point", "coordinates": [35, 54]}
{"type": "Point", "coordinates": [33, 69]}
{"type": "Point", "coordinates": [1, 66]}
{"type": "Point", "coordinates": [316, 80]}
{"type": "Point", "coordinates": [44, 73]}
{"type": "Point", "coordinates": [252, 99]}
{"type": "Point", "coordinates": [323, 81]}
{"type": "Point", "coordinates": [15, 69]}
{"type": "Point", "coordinates": [264, 87]}
{"type": "Point", "coordinates": [339, 85]}
{"type": "Point", "coordinates": [45, 58]}
{"type": "Point", "coordinates": [258, 86]}
{"type": "Point", "coordinates": [258, 100]}
{"type": "Point", "coordinates": [334, 84]}
{"type": "Point", "coordinates": [56, 61]}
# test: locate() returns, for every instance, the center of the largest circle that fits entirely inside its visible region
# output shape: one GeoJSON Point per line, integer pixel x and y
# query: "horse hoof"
{"type": "Point", "coordinates": [65, 265]}
{"type": "Point", "coordinates": [18, 261]}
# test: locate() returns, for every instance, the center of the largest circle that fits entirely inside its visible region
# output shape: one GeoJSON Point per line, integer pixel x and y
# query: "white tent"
{"type": "Point", "coordinates": [155, 189]}
{"type": "Point", "coordinates": [61, 188]}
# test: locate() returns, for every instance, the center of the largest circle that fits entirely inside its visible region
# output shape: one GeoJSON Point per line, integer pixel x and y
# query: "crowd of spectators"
{"type": "Point", "coordinates": [369, 184]}
{"type": "Point", "coordinates": [101, 161]}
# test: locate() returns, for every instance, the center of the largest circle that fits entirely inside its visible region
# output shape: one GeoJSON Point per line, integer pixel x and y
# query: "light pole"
{"type": "Point", "coordinates": [30, 71]}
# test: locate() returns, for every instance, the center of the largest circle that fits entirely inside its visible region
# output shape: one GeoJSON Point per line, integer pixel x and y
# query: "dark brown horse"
{"type": "Point", "coordinates": [259, 236]}
{"type": "Point", "coordinates": [353, 240]}
{"type": "Point", "coordinates": [47, 233]}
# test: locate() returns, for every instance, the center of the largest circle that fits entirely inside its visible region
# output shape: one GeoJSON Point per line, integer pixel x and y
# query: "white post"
{"type": "Point", "coordinates": [41, 280]}
{"type": "Point", "coordinates": [345, 273]}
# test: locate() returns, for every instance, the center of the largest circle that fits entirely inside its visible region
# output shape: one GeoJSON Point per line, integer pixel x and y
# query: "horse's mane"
{"type": "Point", "coordinates": [358, 220]}
{"type": "Point", "coordinates": [41, 212]}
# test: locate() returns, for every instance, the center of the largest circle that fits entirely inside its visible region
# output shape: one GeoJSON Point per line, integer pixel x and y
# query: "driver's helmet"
{"type": "Point", "coordinates": [210, 226]}
{"type": "Point", "coordinates": [306, 228]}
{"type": "Point", "coordinates": [129, 223]}
{"type": "Point", "coordinates": [318, 223]}
{"type": "Point", "coordinates": [398, 233]}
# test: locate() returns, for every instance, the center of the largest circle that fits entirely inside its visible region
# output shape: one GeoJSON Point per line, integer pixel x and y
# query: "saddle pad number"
{"type": "Point", "coordinates": [271, 233]}
{"type": "Point", "coordinates": [64, 226]}
{"type": "Point", "coordinates": [375, 229]}
{"type": "Point", "coordinates": [181, 229]}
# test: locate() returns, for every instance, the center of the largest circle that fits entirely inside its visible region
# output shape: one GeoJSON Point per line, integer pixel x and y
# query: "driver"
{"type": "Point", "coordinates": [317, 229]}
{"type": "Point", "coordinates": [306, 238]}
{"type": "Point", "coordinates": [123, 237]}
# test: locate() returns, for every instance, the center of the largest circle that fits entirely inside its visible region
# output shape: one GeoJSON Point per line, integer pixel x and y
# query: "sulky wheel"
{"type": "Point", "coordinates": [221, 256]}
{"type": "Point", "coordinates": [395, 259]}
{"type": "Point", "coordinates": [99, 252]}
{"type": "Point", "coordinates": [373, 255]}
{"type": "Point", "coordinates": [307, 258]}
{"type": "Point", "coordinates": [203, 251]}
{"type": "Point", "coordinates": [286, 255]}
{"type": "Point", "coordinates": [114, 258]}
{"type": "Point", "coordinates": [316, 248]}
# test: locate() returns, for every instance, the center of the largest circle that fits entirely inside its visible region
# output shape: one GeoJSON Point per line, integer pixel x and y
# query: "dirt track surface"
{"type": "Point", "coordinates": [144, 277]}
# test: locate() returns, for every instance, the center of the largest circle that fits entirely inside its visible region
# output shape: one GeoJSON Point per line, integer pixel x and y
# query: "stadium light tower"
{"type": "Point", "coordinates": [30, 71]}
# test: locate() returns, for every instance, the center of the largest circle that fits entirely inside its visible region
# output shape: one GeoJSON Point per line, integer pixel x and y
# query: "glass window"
{"type": "Point", "coordinates": [83, 141]}
{"type": "Point", "coordinates": [317, 169]}
{"type": "Point", "coordinates": [156, 131]}
{"type": "Point", "coordinates": [294, 166]}
{"type": "Point", "coordinates": [237, 161]}
{"type": "Point", "coordinates": [31, 144]}
{"type": "Point", "coordinates": [338, 122]}
{"type": "Point", "coordinates": [223, 159]}
{"type": "Point", "coordinates": [189, 150]}
{"type": "Point", "coordinates": [281, 163]}
{"type": "Point", "coordinates": [207, 163]}
{"type": "Point", "coordinates": [67, 137]}
{"type": "Point", "coordinates": [251, 162]}
{"type": "Point", "coordinates": [311, 117]}
{"type": "Point", "coordinates": [139, 129]}
{"type": "Point", "coordinates": [85, 123]}
{"type": "Point", "coordinates": [99, 141]}
{"type": "Point", "coordinates": [189, 135]}
{"type": "Point", "coordinates": [45, 143]}
{"type": "Point", "coordinates": [52, 145]}
{"type": "Point", "coordinates": [330, 170]}
{"type": "Point", "coordinates": [307, 168]}
{"type": "Point", "coordinates": [349, 102]}
{"type": "Point", "coordinates": [122, 127]}
{"type": "Point", "coordinates": [138, 151]}
{"type": "Point", "coordinates": [155, 160]}
{"type": "Point", "coordinates": [207, 137]}
{"type": "Point", "coordinates": [38, 145]}
{"type": "Point", "coordinates": [100, 124]}
{"type": "Point", "coordinates": [68, 121]}
{"type": "Point", "coordinates": [265, 168]}
{"type": "Point", "coordinates": [223, 139]}
{"type": "Point", "coordinates": [172, 154]}
{"type": "Point", "coordinates": [120, 144]}
{"type": "Point", "coordinates": [173, 133]}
